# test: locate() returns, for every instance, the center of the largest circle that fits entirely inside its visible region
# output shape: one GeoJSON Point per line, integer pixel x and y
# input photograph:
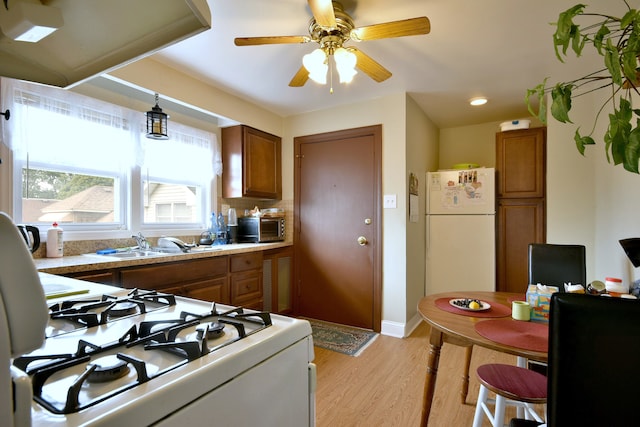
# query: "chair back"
{"type": "Point", "coordinates": [556, 265]}
{"type": "Point", "coordinates": [593, 379]}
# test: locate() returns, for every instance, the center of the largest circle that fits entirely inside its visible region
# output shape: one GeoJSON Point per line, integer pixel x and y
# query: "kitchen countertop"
{"type": "Point", "coordinates": [56, 287]}
{"type": "Point", "coordinates": [90, 262]}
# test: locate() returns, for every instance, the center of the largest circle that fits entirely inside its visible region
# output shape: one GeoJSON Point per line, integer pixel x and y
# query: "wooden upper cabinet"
{"type": "Point", "coordinates": [251, 161]}
{"type": "Point", "coordinates": [520, 163]}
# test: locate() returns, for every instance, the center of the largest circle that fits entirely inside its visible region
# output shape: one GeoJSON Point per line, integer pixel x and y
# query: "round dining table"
{"type": "Point", "coordinates": [457, 326]}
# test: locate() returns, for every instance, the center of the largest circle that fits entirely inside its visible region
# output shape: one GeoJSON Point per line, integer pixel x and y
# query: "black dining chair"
{"type": "Point", "coordinates": [592, 376]}
{"type": "Point", "coordinates": [555, 265]}
{"type": "Point", "coordinates": [549, 264]}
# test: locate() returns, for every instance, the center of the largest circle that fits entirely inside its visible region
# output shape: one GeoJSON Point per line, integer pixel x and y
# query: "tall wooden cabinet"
{"type": "Point", "coordinates": [251, 162]}
{"type": "Point", "coordinates": [521, 203]}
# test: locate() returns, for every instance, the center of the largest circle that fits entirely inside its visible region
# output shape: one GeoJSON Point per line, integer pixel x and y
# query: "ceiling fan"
{"type": "Point", "coordinates": [331, 27]}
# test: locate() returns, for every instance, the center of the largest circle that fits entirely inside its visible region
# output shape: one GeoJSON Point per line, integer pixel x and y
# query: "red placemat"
{"type": "Point", "coordinates": [527, 335]}
{"type": "Point", "coordinates": [496, 310]}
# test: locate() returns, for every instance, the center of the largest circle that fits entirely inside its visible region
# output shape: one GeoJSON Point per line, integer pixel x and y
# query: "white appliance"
{"type": "Point", "coordinates": [136, 357]}
{"type": "Point", "coordinates": [460, 227]}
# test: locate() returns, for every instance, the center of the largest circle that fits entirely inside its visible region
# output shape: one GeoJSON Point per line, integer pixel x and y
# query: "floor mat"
{"type": "Point", "coordinates": [341, 338]}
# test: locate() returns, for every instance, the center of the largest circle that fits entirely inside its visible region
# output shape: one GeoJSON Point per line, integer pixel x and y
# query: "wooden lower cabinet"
{"type": "Point", "coordinates": [520, 222]}
{"type": "Point", "coordinates": [231, 279]}
{"type": "Point", "coordinates": [207, 290]}
{"type": "Point", "coordinates": [107, 277]}
{"type": "Point", "coordinates": [245, 277]}
{"type": "Point", "coordinates": [204, 279]}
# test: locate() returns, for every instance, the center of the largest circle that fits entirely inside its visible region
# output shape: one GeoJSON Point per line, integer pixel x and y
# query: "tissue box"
{"type": "Point", "coordinates": [539, 298]}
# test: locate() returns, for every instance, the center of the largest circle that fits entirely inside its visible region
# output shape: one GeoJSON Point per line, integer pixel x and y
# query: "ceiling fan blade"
{"type": "Point", "coordinates": [406, 27]}
{"type": "Point", "coordinates": [300, 78]}
{"type": "Point", "coordinates": [323, 13]}
{"type": "Point", "coordinates": [370, 67]}
{"type": "Point", "coordinates": [253, 41]}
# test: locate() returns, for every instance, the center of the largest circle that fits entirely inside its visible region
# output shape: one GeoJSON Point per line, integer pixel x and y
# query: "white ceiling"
{"type": "Point", "coordinates": [491, 48]}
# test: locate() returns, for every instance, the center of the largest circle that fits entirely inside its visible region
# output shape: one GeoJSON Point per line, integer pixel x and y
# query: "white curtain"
{"type": "Point", "coordinates": [59, 127]}
{"type": "Point", "coordinates": [188, 155]}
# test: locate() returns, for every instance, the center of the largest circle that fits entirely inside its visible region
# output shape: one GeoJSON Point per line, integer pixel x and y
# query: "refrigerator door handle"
{"type": "Point", "coordinates": [428, 236]}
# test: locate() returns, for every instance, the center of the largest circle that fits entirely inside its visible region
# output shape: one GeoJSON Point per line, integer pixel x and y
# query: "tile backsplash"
{"type": "Point", "coordinates": [78, 247]}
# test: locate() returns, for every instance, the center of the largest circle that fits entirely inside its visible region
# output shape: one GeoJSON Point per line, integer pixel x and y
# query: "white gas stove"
{"type": "Point", "coordinates": [135, 357]}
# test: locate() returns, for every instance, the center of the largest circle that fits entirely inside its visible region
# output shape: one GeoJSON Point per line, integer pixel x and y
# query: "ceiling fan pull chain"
{"type": "Point", "coordinates": [329, 57]}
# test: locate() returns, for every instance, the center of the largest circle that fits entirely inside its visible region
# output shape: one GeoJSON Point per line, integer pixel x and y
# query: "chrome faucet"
{"type": "Point", "coordinates": [142, 241]}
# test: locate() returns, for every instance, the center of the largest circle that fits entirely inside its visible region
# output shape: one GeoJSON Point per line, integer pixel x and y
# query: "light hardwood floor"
{"type": "Point", "coordinates": [384, 385]}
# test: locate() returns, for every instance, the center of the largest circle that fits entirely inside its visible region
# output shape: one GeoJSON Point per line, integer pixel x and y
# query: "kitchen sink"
{"type": "Point", "coordinates": [136, 254]}
{"type": "Point", "coordinates": [132, 254]}
{"type": "Point", "coordinates": [206, 249]}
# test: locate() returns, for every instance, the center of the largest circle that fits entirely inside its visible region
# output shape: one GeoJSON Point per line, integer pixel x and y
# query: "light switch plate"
{"type": "Point", "coordinates": [389, 201]}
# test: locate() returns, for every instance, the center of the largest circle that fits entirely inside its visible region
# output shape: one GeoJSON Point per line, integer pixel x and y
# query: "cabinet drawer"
{"type": "Point", "coordinates": [209, 290]}
{"type": "Point", "coordinates": [104, 277]}
{"type": "Point", "coordinates": [246, 287]}
{"type": "Point", "coordinates": [244, 262]}
{"type": "Point", "coordinates": [158, 276]}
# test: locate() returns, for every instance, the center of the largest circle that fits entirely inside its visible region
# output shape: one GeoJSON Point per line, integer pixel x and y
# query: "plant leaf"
{"type": "Point", "coordinates": [581, 141]}
{"type": "Point", "coordinates": [632, 150]}
{"type": "Point", "coordinates": [599, 37]}
{"type": "Point", "coordinates": [539, 93]}
{"type": "Point", "coordinates": [612, 62]}
{"type": "Point", "coordinates": [561, 102]}
{"type": "Point", "coordinates": [629, 57]}
{"type": "Point", "coordinates": [607, 143]}
{"type": "Point", "coordinates": [628, 18]}
{"type": "Point", "coordinates": [566, 30]}
{"type": "Point", "coordinates": [619, 130]}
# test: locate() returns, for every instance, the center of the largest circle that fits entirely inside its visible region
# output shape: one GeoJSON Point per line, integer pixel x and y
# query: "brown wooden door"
{"type": "Point", "coordinates": [520, 222]}
{"type": "Point", "coordinates": [337, 200]}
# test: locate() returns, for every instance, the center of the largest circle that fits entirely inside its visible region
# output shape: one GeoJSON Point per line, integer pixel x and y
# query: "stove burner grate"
{"type": "Point", "coordinates": [87, 313]}
{"type": "Point", "coordinates": [108, 368]}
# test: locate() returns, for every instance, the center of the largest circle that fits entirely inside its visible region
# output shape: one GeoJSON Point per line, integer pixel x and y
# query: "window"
{"type": "Point", "coordinates": [170, 203]}
{"type": "Point", "coordinates": [49, 196]}
{"type": "Point", "coordinates": [86, 165]}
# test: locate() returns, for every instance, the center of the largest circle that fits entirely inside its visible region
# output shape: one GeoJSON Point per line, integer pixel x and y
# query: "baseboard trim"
{"type": "Point", "coordinates": [400, 330]}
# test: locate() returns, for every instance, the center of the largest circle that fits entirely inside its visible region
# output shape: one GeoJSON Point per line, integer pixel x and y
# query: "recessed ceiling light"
{"type": "Point", "coordinates": [478, 101]}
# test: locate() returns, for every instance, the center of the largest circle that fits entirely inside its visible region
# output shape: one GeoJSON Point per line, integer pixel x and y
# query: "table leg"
{"type": "Point", "coordinates": [435, 345]}
{"type": "Point", "coordinates": [464, 391]}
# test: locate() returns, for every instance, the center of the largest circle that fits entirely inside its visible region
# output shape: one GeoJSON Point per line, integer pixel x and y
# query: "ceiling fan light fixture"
{"type": "Point", "coordinates": [478, 101]}
{"type": "Point", "coordinates": [316, 64]}
{"type": "Point", "coordinates": [345, 64]}
{"type": "Point", "coordinates": [29, 20]}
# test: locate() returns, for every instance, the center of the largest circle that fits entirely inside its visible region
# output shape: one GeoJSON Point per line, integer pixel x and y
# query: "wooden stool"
{"type": "Point", "coordinates": [512, 385]}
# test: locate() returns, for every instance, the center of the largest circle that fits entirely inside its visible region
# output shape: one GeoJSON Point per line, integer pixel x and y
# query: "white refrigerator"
{"type": "Point", "coordinates": [461, 207]}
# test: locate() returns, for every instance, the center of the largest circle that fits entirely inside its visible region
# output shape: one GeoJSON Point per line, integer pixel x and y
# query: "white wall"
{"type": "Point", "coordinates": [390, 112]}
{"type": "Point", "coordinates": [422, 156]}
{"type": "Point", "coordinates": [591, 199]}
{"type": "Point", "coordinates": [571, 192]}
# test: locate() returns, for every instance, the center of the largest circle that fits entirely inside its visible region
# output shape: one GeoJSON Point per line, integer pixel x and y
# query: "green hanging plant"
{"type": "Point", "coordinates": [617, 40]}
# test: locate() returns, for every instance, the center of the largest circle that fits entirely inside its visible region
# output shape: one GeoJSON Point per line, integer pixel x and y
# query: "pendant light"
{"type": "Point", "coordinates": [157, 122]}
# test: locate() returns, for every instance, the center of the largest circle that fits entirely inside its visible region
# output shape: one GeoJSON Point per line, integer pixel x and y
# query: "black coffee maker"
{"type": "Point", "coordinates": [31, 236]}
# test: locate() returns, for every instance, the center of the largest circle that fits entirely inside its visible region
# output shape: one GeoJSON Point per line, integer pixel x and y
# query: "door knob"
{"type": "Point", "coordinates": [362, 241]}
